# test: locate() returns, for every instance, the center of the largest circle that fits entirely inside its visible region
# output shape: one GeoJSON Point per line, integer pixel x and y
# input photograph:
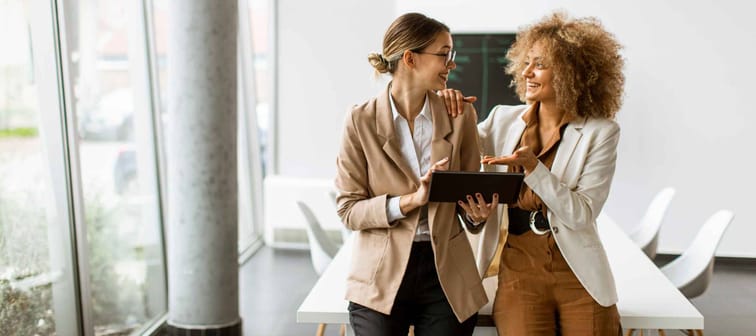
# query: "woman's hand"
{"type": "Point", "coordinates": [455, 101]}
{"type": "Point", "coordinates": [523, 157]}
{"type": "Point", "coordinates": [477, 209]}
{"type": "Point", "coordinates": [419, 198]}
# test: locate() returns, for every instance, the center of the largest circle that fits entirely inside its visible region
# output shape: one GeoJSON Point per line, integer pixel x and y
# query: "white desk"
{"type": "Point", "coordinates": [647, 300]}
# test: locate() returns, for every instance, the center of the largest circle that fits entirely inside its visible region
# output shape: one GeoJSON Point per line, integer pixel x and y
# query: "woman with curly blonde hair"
{"type": "Point", "coordinates": [554, 276]}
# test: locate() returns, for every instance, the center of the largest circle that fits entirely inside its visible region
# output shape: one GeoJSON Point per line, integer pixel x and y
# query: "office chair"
{"type": "Point", "coordinates": [322, 249]}
{"type": "Point", "coordinates": [647, 234]}
{"type": "Point", "coordinates": [691, 272]}
{"type": "Point", "coordinates": [345, 233]}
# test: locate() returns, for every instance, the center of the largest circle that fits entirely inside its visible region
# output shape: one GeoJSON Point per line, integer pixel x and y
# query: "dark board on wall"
{"type": "Point", "coordinates": [481, 59]}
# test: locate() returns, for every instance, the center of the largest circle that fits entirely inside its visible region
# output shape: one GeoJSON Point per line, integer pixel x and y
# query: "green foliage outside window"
{"type": "Point", "coordinates": [19, 132]}
{"type": "Point", "coordinates": [23, 246]}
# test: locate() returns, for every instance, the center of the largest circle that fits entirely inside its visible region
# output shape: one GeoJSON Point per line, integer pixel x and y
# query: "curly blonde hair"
{"type": "Point", "coordinates": [584, 58]}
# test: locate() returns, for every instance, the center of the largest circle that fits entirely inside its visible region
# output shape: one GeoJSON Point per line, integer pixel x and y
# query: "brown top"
{"type": "Point", "coordinates": [528, 200]}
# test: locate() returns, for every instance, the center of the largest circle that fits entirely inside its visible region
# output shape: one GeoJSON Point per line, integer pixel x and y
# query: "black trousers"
{"type": "Point", "coordinates": [420, 301]}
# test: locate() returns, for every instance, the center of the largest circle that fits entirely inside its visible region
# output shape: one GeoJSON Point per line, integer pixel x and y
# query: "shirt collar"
{"type": "Point", "coordinates": [425, 111]}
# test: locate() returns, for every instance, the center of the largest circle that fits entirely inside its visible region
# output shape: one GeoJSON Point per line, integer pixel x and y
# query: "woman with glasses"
{"type": "Point", "coordinates": [412, 263]}
{"type": "Point", "coordinates": [554, 277]}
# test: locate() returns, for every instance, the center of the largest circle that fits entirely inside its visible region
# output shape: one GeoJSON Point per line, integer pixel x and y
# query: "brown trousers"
{"type": "Point", "coordinates": [538, 294]}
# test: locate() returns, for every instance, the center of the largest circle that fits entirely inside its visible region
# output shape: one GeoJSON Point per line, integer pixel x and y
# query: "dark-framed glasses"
{"type": "Point", "coordinates": [449, 56]}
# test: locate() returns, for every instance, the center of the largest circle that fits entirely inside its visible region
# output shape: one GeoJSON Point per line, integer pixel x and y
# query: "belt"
{"type": "Point", "coordinates": [520, 221]}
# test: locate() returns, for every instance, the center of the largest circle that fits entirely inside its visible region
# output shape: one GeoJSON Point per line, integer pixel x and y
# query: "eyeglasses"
{"type": "Point", "coordinates": [449, 55]}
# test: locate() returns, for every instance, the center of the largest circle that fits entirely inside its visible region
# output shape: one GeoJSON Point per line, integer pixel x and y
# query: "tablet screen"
{"type": "Point", "coordinates": [452, 186]}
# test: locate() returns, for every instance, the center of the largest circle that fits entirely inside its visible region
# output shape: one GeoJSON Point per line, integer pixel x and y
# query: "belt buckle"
{"type": "Point", "coordinates": [533, 227]}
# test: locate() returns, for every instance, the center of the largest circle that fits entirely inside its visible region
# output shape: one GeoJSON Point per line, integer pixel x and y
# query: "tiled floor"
{"type": "Point", "coordinates": [274, 282]}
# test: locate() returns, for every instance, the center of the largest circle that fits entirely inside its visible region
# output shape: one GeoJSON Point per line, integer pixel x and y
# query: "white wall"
{"type": "Point", "coordinates": [684, 122]}
{"type": "Point", "coordinates": [323, 69]}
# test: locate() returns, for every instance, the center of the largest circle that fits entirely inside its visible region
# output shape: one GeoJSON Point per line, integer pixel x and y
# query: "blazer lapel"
{"type": "Point", "coordinates": [440, 146]}
{"type": "Point", "coordinates": [385, 127]}
{"type": "Point", "coordinates": [570, 139]}
{"type": "Point", "coordinates": [514, 133]}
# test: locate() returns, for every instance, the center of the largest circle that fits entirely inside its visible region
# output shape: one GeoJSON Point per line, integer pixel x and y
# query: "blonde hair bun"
{"type": "Point", "coordinates": [378, 62]}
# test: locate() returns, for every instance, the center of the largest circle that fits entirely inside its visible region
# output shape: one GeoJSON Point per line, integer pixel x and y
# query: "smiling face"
{"type": "Point", "coordinates": [431, 66]}
{"type": "Point", "coordinates": [538, 75]}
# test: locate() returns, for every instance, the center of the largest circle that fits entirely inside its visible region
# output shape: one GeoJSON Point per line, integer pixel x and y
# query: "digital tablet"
{"type": "Point", "coordinates": [452, 186]}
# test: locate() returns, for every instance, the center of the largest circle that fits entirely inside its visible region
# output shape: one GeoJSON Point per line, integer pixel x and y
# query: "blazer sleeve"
{"type": "Point", "coordinates": [358, 209]}
{"type": "Point", "coordinates": [579, 206]}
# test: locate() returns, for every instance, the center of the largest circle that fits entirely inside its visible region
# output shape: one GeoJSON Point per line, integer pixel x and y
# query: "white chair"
{"type": "Point", "coordinates": [344, 231]}
{"type": "Point", "coordinates": [647, 234]}
{"type": "Point", "coordinates": [322, 249]}
{"type": "Point", "coordinates": [691, 272]}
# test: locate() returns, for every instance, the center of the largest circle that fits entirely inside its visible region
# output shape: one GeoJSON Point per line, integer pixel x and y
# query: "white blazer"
{"type": "Point", "coordinates": [574, 190]}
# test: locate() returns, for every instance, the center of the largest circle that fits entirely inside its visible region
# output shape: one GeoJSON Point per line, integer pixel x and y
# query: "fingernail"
{"type": "Point", "coordinates": [460, 202]}
{"type": "Point", "coordinates": [478, 194]}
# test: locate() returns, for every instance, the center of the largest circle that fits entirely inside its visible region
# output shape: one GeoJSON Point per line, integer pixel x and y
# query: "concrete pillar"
{"type": "Point", "coordinates": [203, 272]}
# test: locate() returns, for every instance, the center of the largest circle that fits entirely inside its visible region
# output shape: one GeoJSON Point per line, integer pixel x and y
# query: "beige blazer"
{"type": "Point", "coordinates": [574, 190]}
{"type": "Point", "coordinates": [371, 169]}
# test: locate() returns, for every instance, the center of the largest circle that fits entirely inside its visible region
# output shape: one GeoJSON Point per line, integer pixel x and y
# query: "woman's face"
{"type": "Point", "coordinates": [538, 76]}
{"type": "Point", "coordinates": [431, 62]}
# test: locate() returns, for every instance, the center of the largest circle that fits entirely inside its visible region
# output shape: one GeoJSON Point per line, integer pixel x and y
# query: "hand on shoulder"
{"type": "Point", "coordinates": [455, 101]}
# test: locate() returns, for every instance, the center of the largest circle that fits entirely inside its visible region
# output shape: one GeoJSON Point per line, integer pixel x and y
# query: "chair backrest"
{"type": "Point", "coordinates": [691, 272]}
{"type": "Point", "coordinates": [647, 234]}
{"type": "Point", "coordinates": [332, 195]}
{"type": "Point", "coordinates": [345, 233]}
{"type": "Point", "coordinates": [322, 249]}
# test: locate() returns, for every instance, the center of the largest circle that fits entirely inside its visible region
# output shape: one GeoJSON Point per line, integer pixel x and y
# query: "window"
{"type": "Point", "coordinates": [125, 284]}
{"type": "Point", "coordinates": [36, 286]}
{"type": "Point", "coordinates": [260, 26]}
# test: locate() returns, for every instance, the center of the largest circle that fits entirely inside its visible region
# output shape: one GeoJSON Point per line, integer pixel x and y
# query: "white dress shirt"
{"type": "Point", "coordinates": [416, 150]}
